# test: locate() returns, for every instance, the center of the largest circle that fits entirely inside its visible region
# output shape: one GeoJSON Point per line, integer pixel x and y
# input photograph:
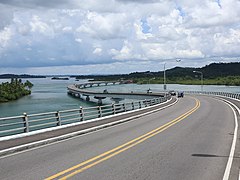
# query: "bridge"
{"type": "Point", "coordinates": [81, 91]}
{"type": "Point", "coordinates": [195, 137]}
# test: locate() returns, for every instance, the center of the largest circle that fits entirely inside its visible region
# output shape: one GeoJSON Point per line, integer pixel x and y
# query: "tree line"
{"type": "Point", "coordinates": [214, 74]}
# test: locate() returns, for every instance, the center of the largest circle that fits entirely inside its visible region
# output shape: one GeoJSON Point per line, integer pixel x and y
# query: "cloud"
{"type": "Point", "coordinates": [5, 36]}
{"type": "Point", "coordinates": [34, 4]}
{"type": "Point", "coordinates": [6, 16]}
{"type": "Point", "coordinates": [97, 51]}
{"type": "Point", "coordinates": [92, 33]}
{"type": "Point", "coordinates": [109, 26]}
{"type": "Point", "coordinates": [139, 1]}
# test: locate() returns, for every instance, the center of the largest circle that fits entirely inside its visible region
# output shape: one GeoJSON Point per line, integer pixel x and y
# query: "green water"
{"type": "Point", "coordinates": [47, 95]}
{"type": "Point", "coordinates": [51, 95]}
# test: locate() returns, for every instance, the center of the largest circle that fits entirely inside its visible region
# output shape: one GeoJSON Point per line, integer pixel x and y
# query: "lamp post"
{"type": "Point", "coordinates": [164, 74]}
{"type": "Point", "coordinates": [164, 77]}
{"type": "Point", "coordinates": [201, 78]}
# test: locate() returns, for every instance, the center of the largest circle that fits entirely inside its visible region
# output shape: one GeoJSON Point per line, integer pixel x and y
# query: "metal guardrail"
{"type": "Point", "coordinates": [225, 94]}
{"type": "Point", "coordinates": [27, 123]}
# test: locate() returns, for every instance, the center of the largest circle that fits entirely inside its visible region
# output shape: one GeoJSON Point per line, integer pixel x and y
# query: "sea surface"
{"type": "Point", "coordinates": [51, 95]}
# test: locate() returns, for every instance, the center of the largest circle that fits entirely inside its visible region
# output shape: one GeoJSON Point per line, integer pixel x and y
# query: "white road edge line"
{"type": "Point", "coordinates": [47, 142]}
{"type": "Point", "coordinates": [231, 155]}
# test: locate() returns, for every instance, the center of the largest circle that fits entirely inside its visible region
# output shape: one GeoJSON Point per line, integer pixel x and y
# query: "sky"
{"type": "Point", "coordinates": [116, 36]}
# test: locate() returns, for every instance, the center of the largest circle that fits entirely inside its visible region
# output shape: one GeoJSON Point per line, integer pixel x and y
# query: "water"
{"type": "Point", "coordinates": [51, 95]}
{"type": "Point", "coordinates": [47, 95]}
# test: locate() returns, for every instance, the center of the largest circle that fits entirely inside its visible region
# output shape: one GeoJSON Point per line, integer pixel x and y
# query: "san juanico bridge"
{"type": "Point", "coordinates": [120, 90]}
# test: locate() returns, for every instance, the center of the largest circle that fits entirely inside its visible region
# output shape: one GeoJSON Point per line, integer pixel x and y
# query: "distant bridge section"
{"type": "Point", "coordinates": [81, 91]}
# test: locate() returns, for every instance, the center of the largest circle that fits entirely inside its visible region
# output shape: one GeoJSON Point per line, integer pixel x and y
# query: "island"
{"type": "Point", "coordinates": [60, 78]}
{"type": "Point", "coordinates": [14, 90]}
{"type": "Point", "coordinates": [22, 76]}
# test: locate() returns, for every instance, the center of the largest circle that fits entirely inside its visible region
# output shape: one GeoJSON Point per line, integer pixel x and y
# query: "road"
{"type": "Point", "coordinates": [190, 140]}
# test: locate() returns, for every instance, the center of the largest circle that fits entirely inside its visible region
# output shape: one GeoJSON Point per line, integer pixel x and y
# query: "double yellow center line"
{"type": "Point", "coordinates": [113, 152]}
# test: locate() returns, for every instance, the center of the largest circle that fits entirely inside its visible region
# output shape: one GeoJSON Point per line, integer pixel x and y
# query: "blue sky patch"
{"type": "Point", "coordinates": [145, 27]}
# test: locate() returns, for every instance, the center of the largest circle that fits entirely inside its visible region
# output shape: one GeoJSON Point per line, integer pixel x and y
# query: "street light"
{"type": "Point", "coordinates": [164, 77]}
{"type": "Point", "coordinates": [164, 74]}
{"type": "Point", "coordinates": [201, 78]}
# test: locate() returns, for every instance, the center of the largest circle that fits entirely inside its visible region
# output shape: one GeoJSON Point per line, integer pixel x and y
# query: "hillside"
{"type": "Point", "coordinates": [213, 70]}
{"type": "Point", "coordinates": [215, 73]}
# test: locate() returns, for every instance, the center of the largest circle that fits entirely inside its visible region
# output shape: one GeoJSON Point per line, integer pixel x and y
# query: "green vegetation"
{"type": "Point", "coordinates": [213, 74]}
{"type": "Point", "coordinates": [228, 81]}
{"type": "Point", "coordinates": [14, 90]}
{"type": "Point", "coordinates": [9, 76]}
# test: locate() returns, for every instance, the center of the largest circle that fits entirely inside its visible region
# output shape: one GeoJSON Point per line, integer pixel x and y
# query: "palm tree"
{"type": "Point", "coordinates": [28, 84]}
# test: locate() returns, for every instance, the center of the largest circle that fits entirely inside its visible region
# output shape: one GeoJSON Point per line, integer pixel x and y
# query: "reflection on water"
{"type": "Point", "coordinates": [51, 95]}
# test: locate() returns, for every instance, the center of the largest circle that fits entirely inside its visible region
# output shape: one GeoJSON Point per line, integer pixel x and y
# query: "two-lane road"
{"type": "Point", "coordinates": [190, 140]}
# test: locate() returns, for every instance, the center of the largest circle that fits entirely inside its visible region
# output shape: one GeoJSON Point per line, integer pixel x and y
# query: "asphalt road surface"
{"type": "Point", "coordinates": [188, 141]}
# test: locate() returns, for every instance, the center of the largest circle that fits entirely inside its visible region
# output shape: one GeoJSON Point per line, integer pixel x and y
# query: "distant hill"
{"type": "Point", "coordinates": [213, 70]}
{"type": "Point", "coordinates": [22, 76]}
{"type": "Point", "coordinates": [215, 73]}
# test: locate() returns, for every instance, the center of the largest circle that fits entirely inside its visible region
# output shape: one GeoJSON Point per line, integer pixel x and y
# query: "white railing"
{"type": "Point", "coordinates": [225, 94]}
{"type": "Point", "coordinates": [27, 123]}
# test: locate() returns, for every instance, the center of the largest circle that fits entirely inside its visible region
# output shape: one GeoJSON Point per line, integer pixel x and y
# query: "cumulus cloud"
{"type": "Point", "coordinates": [107, 26]}
{"type": "Point", "coordinates": [89, 32]}
{"type": "Point", "coordinates": [97, 51]}
{"type": "Point", "coordinates": [36, 4]}
{"type": "Point", "coordinates": [5, 36]}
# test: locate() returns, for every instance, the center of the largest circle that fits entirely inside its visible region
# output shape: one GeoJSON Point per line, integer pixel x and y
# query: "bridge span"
{"type": "Point", "coordinates": [81, 91]}
{"type": "Point", "coordinates": [195, 137]}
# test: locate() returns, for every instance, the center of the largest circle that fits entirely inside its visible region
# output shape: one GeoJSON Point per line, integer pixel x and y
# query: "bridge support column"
{"type": "Point", "coordinates": [99, 99]}
{"type": "Point", "coordinates": [87, 98]}
{"type": "Point", "coordinates": [117, 100]}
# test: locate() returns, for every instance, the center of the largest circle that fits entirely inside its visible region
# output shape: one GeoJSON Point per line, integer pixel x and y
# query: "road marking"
{"type": "Point", "coordinates": [113, 152]}
{"type": "Point", "coordinates": [231, 155]}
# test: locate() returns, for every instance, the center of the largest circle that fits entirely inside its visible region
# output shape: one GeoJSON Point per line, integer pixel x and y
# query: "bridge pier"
{"type": "Point", "coordinates": [99, 99]}
{"type": "Point", "coordinates": [87, 98]}
{"type": "Point", "coordinates": [117, 100]}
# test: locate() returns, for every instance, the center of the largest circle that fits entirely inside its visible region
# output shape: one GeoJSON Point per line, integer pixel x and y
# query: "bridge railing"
{"type": "Point", "coordinates": [225, 94]}
{"type": "Point", "coordinates": [32, 122]}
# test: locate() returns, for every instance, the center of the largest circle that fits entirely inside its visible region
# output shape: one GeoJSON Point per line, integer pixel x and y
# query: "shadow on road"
{"type": "Point", "coordinates": [210, 155]}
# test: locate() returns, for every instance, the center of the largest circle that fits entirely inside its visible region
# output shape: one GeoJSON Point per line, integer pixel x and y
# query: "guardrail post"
{"type": "Point", "coordinates": [145, 102]}
{"type": "Point", "coordinates": [25, 122]}
{"type": "Point", "coordinates": [154, 101]}
{"type": "Point", "coordinates": [99, 111]}
{"type": "Point", "coordinates": [132, 105]}
{"type": "Point", "coordinates": [140, 105]}
{"type": "Point", "coordinates": [81, 113]}
{"type": "Point", "coordinates": [124, 107]}
{"type": "Point", "coordinates": [151, 102]}
{"type": "Point", "coordinates": [59, 123]}
{"type": "Point", "coordinates": [113, 108]}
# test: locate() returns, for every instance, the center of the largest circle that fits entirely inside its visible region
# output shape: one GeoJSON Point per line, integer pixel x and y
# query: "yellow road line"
{"type": "Point", "coordinates": [122, 147]}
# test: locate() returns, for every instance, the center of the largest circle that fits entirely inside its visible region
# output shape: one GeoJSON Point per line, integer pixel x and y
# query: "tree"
{"type": "Point", "coordinates": [28, 84]}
